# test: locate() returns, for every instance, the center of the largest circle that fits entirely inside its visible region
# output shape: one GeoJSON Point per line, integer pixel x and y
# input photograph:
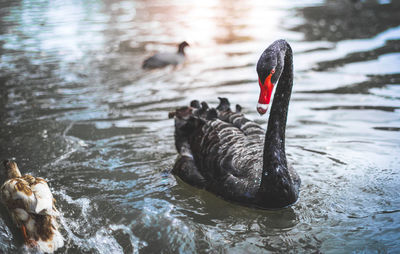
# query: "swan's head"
{"type": "Point", "coordinates": [269, 69]}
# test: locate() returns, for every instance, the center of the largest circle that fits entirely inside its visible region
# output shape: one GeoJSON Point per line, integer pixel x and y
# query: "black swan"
{"type": "Point", "coordinates": [160, 60]}
{"type": "Point", "coordinates": [223, 152]}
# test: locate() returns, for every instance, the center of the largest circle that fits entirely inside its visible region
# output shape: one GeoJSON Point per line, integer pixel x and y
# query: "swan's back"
{"type": "Point", "coordinates": [219, 149]}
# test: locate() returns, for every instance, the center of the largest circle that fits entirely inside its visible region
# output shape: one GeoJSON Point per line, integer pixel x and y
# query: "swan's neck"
{"type": "Point", "coordinates": [274, 144]}
{"type": "Point", "coordinates": [275, 188]}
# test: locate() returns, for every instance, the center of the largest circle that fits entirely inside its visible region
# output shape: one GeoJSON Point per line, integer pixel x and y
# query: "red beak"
{"type": "Point", "coordinates": [265, 95]}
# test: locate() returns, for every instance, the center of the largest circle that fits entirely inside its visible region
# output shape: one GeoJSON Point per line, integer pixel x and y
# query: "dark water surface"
{"type": "Point", "coordinates": [77, 109]}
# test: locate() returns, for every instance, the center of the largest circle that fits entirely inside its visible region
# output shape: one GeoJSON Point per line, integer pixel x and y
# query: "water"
{"type": "Point", "coordinates": [77, 109]}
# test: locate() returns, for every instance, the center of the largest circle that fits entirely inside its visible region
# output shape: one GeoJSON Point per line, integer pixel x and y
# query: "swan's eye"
{"type": "Point", "coordinates": [272, 71]}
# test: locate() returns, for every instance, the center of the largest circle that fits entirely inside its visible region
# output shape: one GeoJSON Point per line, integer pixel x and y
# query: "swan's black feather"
{"type": "Point", "coordinates": [195, 104]}
{"type": "Point", "coordinates": [222, 149]}
{"type": "Point", "coordinates": [224, 104]}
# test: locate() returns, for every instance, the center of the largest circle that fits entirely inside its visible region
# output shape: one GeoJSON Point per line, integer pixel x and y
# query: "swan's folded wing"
{"type": "Point", "coordinates": [248, 127]}
{"type": "Point", "coordinates": [251, 129]}
{"type": "Point", "coordinates": [16, 193]}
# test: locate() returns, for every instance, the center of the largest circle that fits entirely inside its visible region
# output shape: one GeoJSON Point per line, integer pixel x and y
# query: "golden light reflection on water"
{"type": "Point", "coordinates": [212, 21]}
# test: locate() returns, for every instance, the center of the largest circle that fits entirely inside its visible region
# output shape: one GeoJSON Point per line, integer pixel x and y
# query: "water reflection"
{"type": "Point", "coordinates": [341, 20]}
{"type": "Point", "coordinates": [375, 81]}
{"type": "Point", "coordinates": [390, 46]}
{"type": "Point", "coordinates": [229, 22]}
{"type": "Point", "coordinates": [77, 109]}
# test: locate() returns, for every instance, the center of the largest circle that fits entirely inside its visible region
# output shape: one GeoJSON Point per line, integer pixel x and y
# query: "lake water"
{"type": "Point", "coordinates": [77, 109]}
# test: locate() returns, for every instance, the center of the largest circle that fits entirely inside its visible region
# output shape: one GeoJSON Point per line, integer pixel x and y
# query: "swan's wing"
{"type": "Point", "coordinates": [237, 119]}
{"type": "Point", "coordinates": [248, 127]}
{"type": "Point", "coordinates": [16, 193]}
{"type": "Point", "coordinates": [225, 146]}
{"type": "Point", "coordinates": [220, 141]}
{"type": "Point", "coordinates": [229, 161]}
{"type": "Point", "coordinates": [225, 149]}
